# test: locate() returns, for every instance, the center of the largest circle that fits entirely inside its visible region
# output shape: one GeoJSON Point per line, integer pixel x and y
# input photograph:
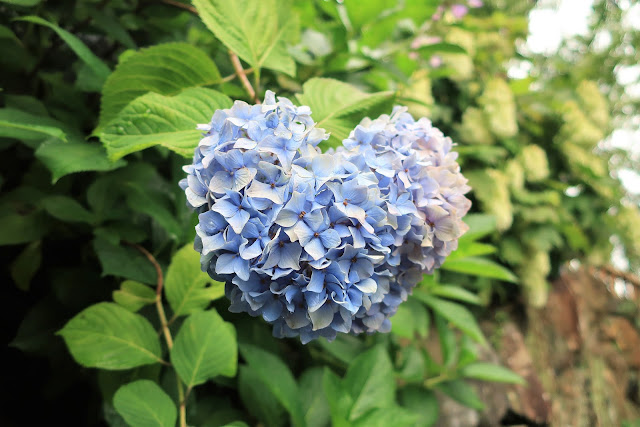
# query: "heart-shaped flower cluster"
{"type": "Point", "coordinates": [322, 243]}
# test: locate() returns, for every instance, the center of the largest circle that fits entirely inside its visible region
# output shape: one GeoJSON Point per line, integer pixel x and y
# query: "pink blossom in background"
{"type": "Point", "coordinates": [474, 3]}
{"type": "Point", "coordinates": [435, 61]}
{"type": "Point", "coordinates": [459, 10]}
{"type": "Point", "coordinates": [424, 41]}
{"type": "Point", "coordinates": [436, 16]}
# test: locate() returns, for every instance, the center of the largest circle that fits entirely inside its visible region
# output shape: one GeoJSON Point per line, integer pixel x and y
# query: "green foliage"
{"type": "Point", "coordinates": [263, 45]}
{"type": "Point", "coordinates": [165, 69]}
{"type": "Point", "coordinates": [154, 119]}
{"type": "Point", "coordinates": [144, 404]}
{"type": "Point", "coordinates": [108, 336]}
{"type": "Point", "coordinates": [277, 378]}
{"type": "Point", "coordinates": [205, 347]}
{"type": "Point", "coordinates": [134, 295]}
{"type": "Point", "coordinates": [187, 287]}
{"type": "Point", "coordinates": [90, 207]}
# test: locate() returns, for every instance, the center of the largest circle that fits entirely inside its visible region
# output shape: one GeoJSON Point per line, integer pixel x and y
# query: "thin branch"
{"type": "Point", "coordinates": [243, 76]}
{"type": "Point", "coordinates": [234, 75]}
{"type": "Point", "coordinates": [627, 277]}
{"type": "Point", "coordinates": [181, 6]}
{"type": "Point", "coordinates": [165, 327]}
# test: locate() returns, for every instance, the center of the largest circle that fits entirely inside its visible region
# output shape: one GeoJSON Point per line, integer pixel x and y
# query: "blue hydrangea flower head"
{"type": "Point", "coordinates": [316, 243]}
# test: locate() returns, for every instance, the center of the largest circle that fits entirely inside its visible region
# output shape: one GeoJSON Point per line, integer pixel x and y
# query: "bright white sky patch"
{"type": "Point", "coordinates": [552, 21]}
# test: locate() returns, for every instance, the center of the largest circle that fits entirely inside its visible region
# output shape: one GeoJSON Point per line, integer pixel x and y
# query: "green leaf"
{"type": "Point", "coordinates": [457, 314]}
{"type": "Point", "coordinates": [370, 382]}
{"type": "Point", "coordinates": [186, 285]}
{"type": "Point", "coordinates": [64, 159]}
{"type": "Point", "coordinates": [345, 347]}
{"type": "Point", "coordinates": [24, 3]}
{"type": "Point", "coordinates": [205, 347]}
{"type": "Point", "coordinates": [447, 339]}
{"type": "Point", "coordinates": [134, 295]}
{"type": "Point", "coordinates": [422, 402]}
{"type": "Point", "coordinates": [66, 209]}
{"type": "Point", "coordinates": [392, 416]}
{"type": "Point", "coordinates": [340, 401]}
{"type": "Point", "coordinates": [84, 53]}
{"type": "Point", "coordinates": [330, 100]}
{"type": "Point", "coordinates": [314, 403]}
{"type": "Point", "coordinates": [108, 336]}
{"type": "Point", "coordinates": [143, 403]}
{"type": "Point", "coordinates": [461, 392]}
{"type": "Point", "coordinates": [454, 292]}
{"type": "Point", "coordinates": [26, 265]}
{"type": "Point", "coordinates": [480, 225]}
{"type": "Point", "coordinates": [21, 125]}
{"type": "Point", "coordinates": [436, 48]}
{"type": "Point", "coordinates": [169, 121]}
{"type": "Point", "coordinates": [263, 45]}
{"type": "Point", "coordinates": [153, 204]}
{"type": "Point", "coordinates": [165, 69]}
{"type": "Point", "coordinates": [16, 228]}
{"type": "Point", "coordinates": [490, 372]}
{"type": "Point", "coordinates": [413, 364]}
{"type": "Point", "coordinates": [255, 394]}
{"type": "Point", "coordinates": [481, 267]}
{"type": "Point", "coordinates": [278, 378]}
{"type": "Point", "coordinates": [361, 13]}
{"type": "Point", "coordinates": [411, 318]}
{"type": "Point", "coordinates": [468, 248]}
{"type": "Point", "coordinates": [124, 261]}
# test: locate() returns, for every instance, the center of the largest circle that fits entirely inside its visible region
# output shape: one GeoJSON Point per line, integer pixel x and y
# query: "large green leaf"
{"type": "Point", "coordinates": [108, 336]}
{"type": "Point", "coordinates": [314, 403]}
{"type": "Point", "coordinates": [143, 403]}
{"type": "Point", "coordinates": [256, 395]}
{"type": "Point", "coordinates": [339, 399]}
{"type": "Point", "coordinates": [457, 314]}
{"type": "Point", "coordinates": [165, 69]}
{"type": "Point", "coordinates": [256, 30]}
{"type": "Point", "coordinates": [66, 158]}
{"type": "Point", "coordinates": [422, 402]}
{"type": "Point", "coordinates": [205, 347]}
{"type": "Point", "coordinates": [330, 100]}
{"type": "Point", "coordinates": [462, 392]}
{"type": "Point", "coordinates": [26, 265]}
{"type": "Point", "coordinates": [124, 261]}
{"type": "Point", "coordinates": [453, 292]}
{"type": "Point", "coordinates": [170, 121]}
{"type": "Point", "coordinates": [186, 285]}
{"type": "Point", "coordinates": [410, 319]}
{"type": "Point", "coordinates": [370, 382]}
{"type": "Point", "coordinates": [153, 203]}
{"type": "Point", "coordinates": [25, 3]}
{"type": "Point", "coordinates": [392, 416]}
{"type": "Point", "coordinates": [490, 372]}
{"type": "Point", "coordinates": [278, 378]}
{"type": "Point", "coordinates": [16, 228]}
{"type": "Point", "coordinates": [480, 267]}
{"type": "Point", "coordinates": [22, 125]}
{"type": "Point", "coordinates": [479, 226]}
{"type": "Point", "coordinates": [99, 68]}
{"type": "Point", "coordinates": [468, 248]}
{"type": "Point", "coordinates": [66, 209]}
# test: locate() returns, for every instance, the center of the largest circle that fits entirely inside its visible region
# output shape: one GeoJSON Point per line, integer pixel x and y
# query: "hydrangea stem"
{"type": "Point", "coordinates": [240, 72]}
{"type": "Point", "coordinates": [165, 328]}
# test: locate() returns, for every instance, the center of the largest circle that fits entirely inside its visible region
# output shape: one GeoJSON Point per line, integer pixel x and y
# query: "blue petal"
{"type": "Point", "coordinates": [315, 249]}
{"type": "Point", "coordinates": [238, 221]}
{"type": "Point", "coordinates": [322, 317]}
